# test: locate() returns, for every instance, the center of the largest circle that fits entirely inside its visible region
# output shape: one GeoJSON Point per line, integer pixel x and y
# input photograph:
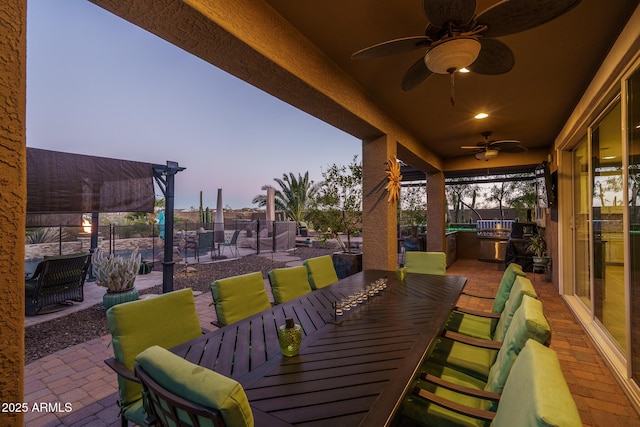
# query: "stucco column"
{"type": "Point", "coordinates": [436, 212]}
{"type": "Point", "coordinates": [13, 194]}
{"type": "Point", "coordinates": [379, 218]}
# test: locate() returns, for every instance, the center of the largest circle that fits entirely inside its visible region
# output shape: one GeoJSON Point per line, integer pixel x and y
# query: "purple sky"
{"type": "Point", "coordinates": [99, 85]}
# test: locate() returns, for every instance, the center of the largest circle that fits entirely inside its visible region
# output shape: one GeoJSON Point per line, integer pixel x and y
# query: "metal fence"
{"type": "Point", "coordinates": [193, 242]}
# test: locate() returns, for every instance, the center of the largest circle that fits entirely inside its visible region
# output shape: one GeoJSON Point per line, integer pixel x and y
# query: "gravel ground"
{"type": "Point", "coordinates": [49, 337]}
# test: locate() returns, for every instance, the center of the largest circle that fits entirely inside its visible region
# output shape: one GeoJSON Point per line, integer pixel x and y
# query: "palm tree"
{"type": "Point", "coordinates": [294, 195]}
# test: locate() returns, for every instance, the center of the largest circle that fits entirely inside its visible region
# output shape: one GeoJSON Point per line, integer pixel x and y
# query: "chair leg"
{"type": "Point", "coordinates": [123, 421]}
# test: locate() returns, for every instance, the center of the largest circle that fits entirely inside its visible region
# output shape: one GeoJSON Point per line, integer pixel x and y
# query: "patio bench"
{"type": "Point", "coordinates": [56, 280]}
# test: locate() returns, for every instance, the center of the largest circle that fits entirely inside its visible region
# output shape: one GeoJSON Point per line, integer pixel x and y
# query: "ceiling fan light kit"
{"type": "Point", "coordinates": [452, 55]}
{"type": "Point", "coordinates": [487, 155]}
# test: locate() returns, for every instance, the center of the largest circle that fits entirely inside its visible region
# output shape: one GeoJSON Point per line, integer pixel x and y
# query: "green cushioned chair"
{"type": "Point", "coordinates": [490, 326]}
{"type": "Point", "coordinates": [166, 320]}
{"type": "Point", "coordinates": [534, 394]}
{"type": "Point", "coordinates": [475, 357]}
{"type": "Point", "coordinates": [504, 288]}
{"type": "Point", "coordinates": [457, 385]}
{"type": "Point", "coordinates": [426, 262]}
{"type": "Point", "coordinates": [289, 283]}
{"type": "Point", "coordinates": [238, 297]}
{"type": "Point", "coordinates": [181, 393]}
{"type": "Point", "coordinates": [321, 271]}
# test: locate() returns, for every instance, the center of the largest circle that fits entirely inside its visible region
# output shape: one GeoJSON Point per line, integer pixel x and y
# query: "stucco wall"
{"type": "Point", "coordinates": [12, 202]}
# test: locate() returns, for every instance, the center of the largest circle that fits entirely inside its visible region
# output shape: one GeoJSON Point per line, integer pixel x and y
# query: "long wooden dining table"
{"type": "Point", "coordinates": [352, 370]}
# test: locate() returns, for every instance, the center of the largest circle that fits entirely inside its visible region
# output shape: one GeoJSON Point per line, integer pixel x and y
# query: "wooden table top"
{"type": "Point", "coordinates": [350, 371]}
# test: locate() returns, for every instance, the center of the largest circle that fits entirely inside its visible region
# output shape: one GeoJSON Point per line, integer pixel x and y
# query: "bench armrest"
{"type": "Point", "coordinates": [491, 315]}
{"type": "Point", "coordinates": [482, 394]}
{"type": "Point", "coordinates": [476, 342]}
{"type": "Point", "coordinates": [121, 370]}
{"type": "Point", "coordinates": [454, 406]}
{"type": "Point", "coordinates": [475, 295]}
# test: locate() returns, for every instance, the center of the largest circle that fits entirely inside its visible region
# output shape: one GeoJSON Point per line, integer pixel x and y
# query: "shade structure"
{"type": "Point", "coordinates": [218, 229]}
{"type": "Point", "coordinates": [73, 183]}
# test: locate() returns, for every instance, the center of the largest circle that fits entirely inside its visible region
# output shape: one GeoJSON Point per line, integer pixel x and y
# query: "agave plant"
{"type": "Point", "coordinates": [116, 273]}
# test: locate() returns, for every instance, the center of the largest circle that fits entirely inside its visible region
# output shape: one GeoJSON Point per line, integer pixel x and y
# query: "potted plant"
{"type": "Point", "coordinates": [336, 211]}
{"type": "Point", "coordinates": [118, 275]}
{"type": "Point", "coordinates": [538, 246]}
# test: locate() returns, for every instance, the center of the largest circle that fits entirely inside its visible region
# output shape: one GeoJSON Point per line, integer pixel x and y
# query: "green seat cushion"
{"type": "Point", "coordinates": [238, 297]}
{"type": "Point", "coordinates": [429, 414]}
{"type": "Point", "coordinates": [289, 283]}
{"type": "Point", "coordinates": [166, 320]}
{"type": "Point", "coordinates": [475, 361]}
{"type": "Point", "coordinates": [536, 393]}
{"type": "Point", "coordinates": [198, 385]}
{"type": "Point", "coordinates": [508, 277]}
{"type": "Point", "coordinates": [425, 262]}
{"type": "Point", "coordinates": [521, 286]}
{"type": "Point", "coordinates": [321, 271]}
{"type": "Point", "coordinates": [471, 325]}
{"type": "Point", "coordinates": [434, 415]}
{"type": "Point", "coordinates": [528, 323]}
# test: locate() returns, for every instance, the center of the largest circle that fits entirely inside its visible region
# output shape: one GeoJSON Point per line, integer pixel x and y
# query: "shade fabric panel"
{"type": "Point", "coordinates": [66, 182]}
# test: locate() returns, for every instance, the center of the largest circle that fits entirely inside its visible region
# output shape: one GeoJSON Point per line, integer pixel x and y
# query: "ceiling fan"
{"type": "Point", "coordinates": [457, 38]}
{"type": "Point", "coordinates": [489, 149]}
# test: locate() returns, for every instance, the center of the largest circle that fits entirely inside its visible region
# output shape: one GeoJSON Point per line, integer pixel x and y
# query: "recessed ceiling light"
{"type": "Point", "coordinates": [464, 70]}
{"type": "Point", "coordinates": [481, 116]}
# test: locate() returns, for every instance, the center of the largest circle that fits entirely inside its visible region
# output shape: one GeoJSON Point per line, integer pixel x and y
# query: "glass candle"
{"type": "Point", "coordinates": [290, 338]}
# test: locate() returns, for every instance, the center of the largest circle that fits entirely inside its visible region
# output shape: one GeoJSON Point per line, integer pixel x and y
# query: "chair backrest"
{"type": "Point", "coordinates": [180, 393]}
{"type": "Point", "coordinates": [289, 283]}
{"type": "Point", "coordinates": [238, 297]}
{"type": "Point", "coordinates": [234, 238]}
{"type": "Point", "coordinates": [426, 262]}
{"type": "Point", "coordinates": [528, 323]}
{"type": "Point", "coordinates": [536, 393]}
{"type": "Point", "coordinates": [506, 283]}
{"type": "Point", "coordinates": [521, 286]}
{"type": "Point", "coordinates": [166, 320]}
{"type": "Point", "coordinates": [61, 270]}
{"type": "Point", "coordinates": [321, 271]}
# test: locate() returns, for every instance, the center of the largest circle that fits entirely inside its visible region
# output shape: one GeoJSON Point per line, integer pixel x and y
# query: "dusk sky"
{"type": "Point", "coordinates": [101, 86]}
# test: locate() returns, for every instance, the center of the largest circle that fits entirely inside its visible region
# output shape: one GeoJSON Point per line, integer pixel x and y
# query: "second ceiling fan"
{"type": "Point", "coordinates": [489, 149]}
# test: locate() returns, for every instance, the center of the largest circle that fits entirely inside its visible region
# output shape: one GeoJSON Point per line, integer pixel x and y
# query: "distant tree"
{"type": "Point", "coordinates": [293, 197]}
{"type": "Point", "coordinates": [456, 196]}
{"type": "Point", "coordinates": [413, 206]}
{"type": "Point", "coordinates": [337, 207]}
{"type": "Point", "coordinates": [517, 194]}
{"type": "Point", "coordinates": [498, 193]}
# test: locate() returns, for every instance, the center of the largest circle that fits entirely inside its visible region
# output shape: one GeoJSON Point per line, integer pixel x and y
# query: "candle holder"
{"type": "Point", "coordinates": [290, 338]}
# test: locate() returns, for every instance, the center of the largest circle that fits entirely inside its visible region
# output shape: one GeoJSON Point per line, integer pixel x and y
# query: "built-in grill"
{"type": "Point", "coordinates": [493, 236]}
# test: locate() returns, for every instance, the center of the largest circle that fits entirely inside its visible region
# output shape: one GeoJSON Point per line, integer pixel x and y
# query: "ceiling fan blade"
{"type": "Point", "coordinates": [442, 12]}
{"type": "Point", "coordinates": [415, 75]}
{"type": "Point", "coordinates": [495, 58]}
{"type": "Point", "coordinates": [392, 47]}
{"type": "Point", "coordinates": [510, 148]}
{"type": "Point", "coordinates": [513, 16]}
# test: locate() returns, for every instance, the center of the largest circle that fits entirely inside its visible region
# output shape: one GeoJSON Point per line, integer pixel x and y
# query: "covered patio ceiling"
{"type": "Point", "coordinates": [294, 50]}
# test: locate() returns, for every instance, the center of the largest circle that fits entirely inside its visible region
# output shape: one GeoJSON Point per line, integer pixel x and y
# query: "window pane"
{"type": "Point", "coordinates": [633, 102]}
{"type": "Point", "coordinates": [581, 221]}
{"type": "Point", "coordinates": [608, 233]}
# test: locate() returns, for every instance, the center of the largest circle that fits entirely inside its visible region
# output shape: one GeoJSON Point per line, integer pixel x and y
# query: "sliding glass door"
{"type": "Point", "coordinates": [607, 225]}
